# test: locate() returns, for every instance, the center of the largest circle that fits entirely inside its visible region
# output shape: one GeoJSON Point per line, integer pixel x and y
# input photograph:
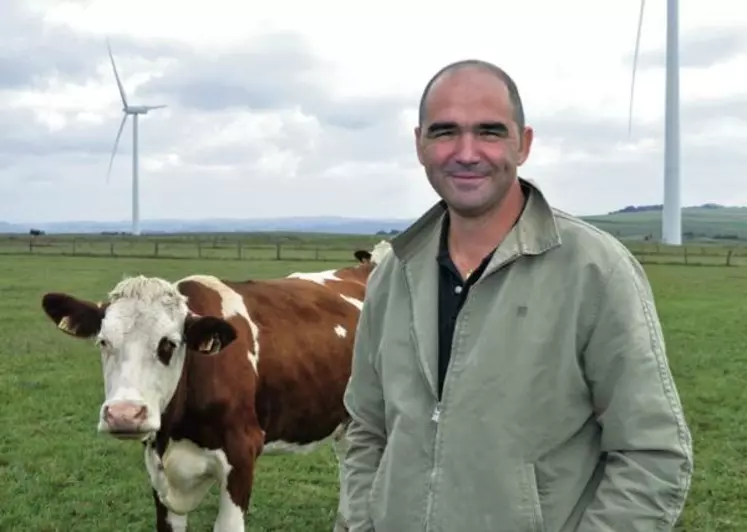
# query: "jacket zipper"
{"type": "Point", "coordinates": [436, 418]}
{"type": "Point", "coordinates": [438, 409]}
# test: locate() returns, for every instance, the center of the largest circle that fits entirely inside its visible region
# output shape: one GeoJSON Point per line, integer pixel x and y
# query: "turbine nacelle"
{"type": "Point", "coordinates": [140, 109]}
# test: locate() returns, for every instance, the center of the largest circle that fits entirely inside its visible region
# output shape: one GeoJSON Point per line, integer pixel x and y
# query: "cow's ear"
{"type": "Point", "coordinates": [208, 334]}
{"type": "Point", "coordinates": [73, 316]}
{"type": "Point", "coordinates": [362, 256]}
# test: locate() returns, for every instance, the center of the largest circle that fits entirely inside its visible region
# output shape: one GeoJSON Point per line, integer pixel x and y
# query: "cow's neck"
{"type": "Point", "coordinates": [175, 410]}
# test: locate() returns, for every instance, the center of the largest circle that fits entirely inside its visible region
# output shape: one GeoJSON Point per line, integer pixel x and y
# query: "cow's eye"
{"type": "Point", "coordinates": [102, 343]}
{"type": "Point", "coordinates": [165, 349]}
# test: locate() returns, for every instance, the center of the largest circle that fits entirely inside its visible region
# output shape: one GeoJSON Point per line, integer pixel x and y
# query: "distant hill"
{"type": "Point", "coordinates": [321, 224]}
{"type": "Point", "coordinates": [702, 222]}
{"type": "Point", "coordinates": [660, 207]}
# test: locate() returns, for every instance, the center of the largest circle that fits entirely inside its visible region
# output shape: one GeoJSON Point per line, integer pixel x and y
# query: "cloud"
{"type": "Point", "coordinates": [290, 112]}
{"type": "Point", "coordinates": [701, 49]}
{"type": "Point", "coordinates": [34, 53]}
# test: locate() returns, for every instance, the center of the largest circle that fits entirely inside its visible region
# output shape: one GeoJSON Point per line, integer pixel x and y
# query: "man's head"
{"type": "Point", "coordinates": [144, 332]}
{"type": "Point", "coordinates": [472, 137]}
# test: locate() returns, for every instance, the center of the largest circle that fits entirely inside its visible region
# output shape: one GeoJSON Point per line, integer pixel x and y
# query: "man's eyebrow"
{"type": "Point", "coordinates": [437, 127]}
{"type": "Point", "coordinates": [493, 126]}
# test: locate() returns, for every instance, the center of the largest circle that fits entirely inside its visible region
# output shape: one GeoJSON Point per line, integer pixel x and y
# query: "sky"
{"type": "Point", "coordinates": [290, 108]}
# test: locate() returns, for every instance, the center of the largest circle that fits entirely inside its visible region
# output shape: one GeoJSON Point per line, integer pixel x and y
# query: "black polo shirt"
{"type": "Point", "coordinates": [452, 292]}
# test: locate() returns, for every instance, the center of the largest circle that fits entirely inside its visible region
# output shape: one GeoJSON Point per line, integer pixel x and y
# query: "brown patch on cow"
{"type": "Point", "coordinates": [358, 273]}
{"type": "Point", "coordinates": [303, 364]}
{"type": "Point", "coordinates": [201, 300]}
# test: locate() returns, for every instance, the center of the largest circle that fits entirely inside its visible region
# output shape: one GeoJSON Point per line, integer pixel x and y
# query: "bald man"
{"type": "Point", "coordinates": [509, 372]}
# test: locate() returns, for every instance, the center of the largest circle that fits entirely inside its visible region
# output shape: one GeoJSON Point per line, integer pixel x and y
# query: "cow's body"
{"type": "Point", "coordinates": [262, 367]}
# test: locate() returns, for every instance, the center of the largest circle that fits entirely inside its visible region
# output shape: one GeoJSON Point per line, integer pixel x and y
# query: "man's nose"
{"type": "Point", "coordinates": [466, 150]}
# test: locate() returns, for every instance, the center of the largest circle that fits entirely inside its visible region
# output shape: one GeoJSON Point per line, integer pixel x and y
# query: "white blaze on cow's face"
{"type": "Point", "coordinates": [142, 355]}
{"type": "Point", "coordinates": [144, 333]}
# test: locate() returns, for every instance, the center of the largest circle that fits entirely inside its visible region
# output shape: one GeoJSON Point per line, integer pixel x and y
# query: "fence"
{"type": "Point", "coordinates": [218, 249]}
{"type": "Point", "coordinates": [325, 249]}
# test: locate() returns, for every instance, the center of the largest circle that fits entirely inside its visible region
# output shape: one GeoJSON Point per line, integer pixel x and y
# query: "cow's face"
{"type": "Point", "coordinates": [143, 344]}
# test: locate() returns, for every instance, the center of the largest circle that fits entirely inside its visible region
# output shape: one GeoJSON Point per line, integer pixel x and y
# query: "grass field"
{"type": "Point", "coordinates": [57, 474]}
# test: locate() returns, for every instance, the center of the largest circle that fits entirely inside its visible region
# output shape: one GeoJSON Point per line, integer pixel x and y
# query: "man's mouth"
{"type": "Point", "coordinates": [467, 176]}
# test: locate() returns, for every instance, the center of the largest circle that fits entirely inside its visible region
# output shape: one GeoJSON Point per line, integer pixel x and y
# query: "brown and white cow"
{"type": "Point", "coordinates": [211, 373]}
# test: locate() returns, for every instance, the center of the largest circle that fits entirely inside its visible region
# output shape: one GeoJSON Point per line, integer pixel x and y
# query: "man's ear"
{"type": "Point", "coordinates": [73, 316]}
{"type": "Point", "coordinates": [527, 137]}
{"type": "Point", "coordinates": [418, 144]}
{"type": "Point", "coordinates": [207, 334]}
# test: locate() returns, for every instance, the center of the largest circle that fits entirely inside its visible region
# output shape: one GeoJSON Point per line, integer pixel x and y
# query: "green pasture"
{"type": "Point", "coordinates": [57, 474]}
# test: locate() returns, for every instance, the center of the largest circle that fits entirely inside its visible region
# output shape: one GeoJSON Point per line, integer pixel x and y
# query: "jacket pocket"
{"type": "Point", "coordinates": [531, 500]}
{"type": "Point", "coordinates": [375, 501]}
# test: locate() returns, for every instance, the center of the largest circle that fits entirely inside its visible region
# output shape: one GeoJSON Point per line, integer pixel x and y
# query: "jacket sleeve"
{"type": "Point", "coordinates": [366, 432]}
{"type": "Point", "coordinates": [648, 445]}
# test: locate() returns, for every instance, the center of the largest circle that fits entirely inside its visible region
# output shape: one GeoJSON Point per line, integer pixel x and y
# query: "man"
{"type": "Point", "coordinates": [509, 372]}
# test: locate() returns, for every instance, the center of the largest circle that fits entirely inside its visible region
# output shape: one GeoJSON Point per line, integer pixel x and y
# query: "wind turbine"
{"type": "Point", "coordinates": [135, 111]}
{"type": "Point", "coordinates": [671, 219]}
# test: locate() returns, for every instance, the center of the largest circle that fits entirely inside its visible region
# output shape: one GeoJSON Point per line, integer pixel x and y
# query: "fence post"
{"type": "Point", "coordinates": [155, 248]}
{"type": "Point", "coordinates": [728, 257]}
{"type": "Point", "coordinates": [111, 248]}
{"type": "Point", "coordinates": [31, 244]}
{"type": "Point", "coordinates": [277, 251]}
{"type": "Point", "coordinates": [238, 249]}
{"type": "Point", "coordinates": [684, 251]}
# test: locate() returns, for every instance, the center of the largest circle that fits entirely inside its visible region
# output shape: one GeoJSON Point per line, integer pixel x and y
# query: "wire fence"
{"type": "Point", "coordinates": [175, 248]}
{"type": "Point", "coordinates": [327, 249]}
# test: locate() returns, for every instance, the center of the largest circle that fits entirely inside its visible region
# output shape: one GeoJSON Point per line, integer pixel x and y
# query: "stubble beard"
{"type": "Point", "coordinates": [499, 185]}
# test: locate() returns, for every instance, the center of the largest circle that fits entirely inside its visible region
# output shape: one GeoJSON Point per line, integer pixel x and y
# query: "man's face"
{"type": "Point", "coordinates": [469, 143]}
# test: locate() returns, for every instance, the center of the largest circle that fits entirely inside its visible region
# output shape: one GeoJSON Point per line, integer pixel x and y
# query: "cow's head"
{"type": "Point", "coordinates": [144, 332]}
{"type": "Point", "coordinates": [375, 256]}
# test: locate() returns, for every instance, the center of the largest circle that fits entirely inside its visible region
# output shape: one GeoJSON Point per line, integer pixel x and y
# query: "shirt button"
{"type": "Point", "coordinates": [458, 289]}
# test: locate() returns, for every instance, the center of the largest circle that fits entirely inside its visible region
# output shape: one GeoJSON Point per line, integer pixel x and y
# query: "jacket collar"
{"type": "Point", "coordinates": [535, 232]}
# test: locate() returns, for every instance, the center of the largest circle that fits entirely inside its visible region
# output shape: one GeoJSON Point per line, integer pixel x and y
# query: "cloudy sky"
{"type": "Point", "coordinates": [289, 108]}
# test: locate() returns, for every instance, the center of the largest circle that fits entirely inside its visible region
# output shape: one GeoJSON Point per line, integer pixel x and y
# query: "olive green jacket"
{"type": "Point", "coordinates": [559, 411]}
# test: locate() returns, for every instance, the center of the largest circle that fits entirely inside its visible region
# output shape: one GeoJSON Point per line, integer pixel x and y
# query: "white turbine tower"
{"type": "Point", "coordinates": [671, 218]}
{"type": "Point", "coordinates": [133, 110]}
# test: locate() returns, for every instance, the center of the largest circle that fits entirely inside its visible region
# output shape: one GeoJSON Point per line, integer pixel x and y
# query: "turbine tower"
{"type": "Point", "coordinates": [135, 111]}
{"type": "Point", "coordinates": [671, 218]}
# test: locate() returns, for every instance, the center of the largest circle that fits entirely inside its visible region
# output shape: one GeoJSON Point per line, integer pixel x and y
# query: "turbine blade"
{"type": "Point", "coordinates": [116, 76]}
{"type": "Point", "coordinates": [151, 107]}
{"type": "Point", "coordinates": [635, 67]}
{"type": "Point", "coordinates": [116, 143]}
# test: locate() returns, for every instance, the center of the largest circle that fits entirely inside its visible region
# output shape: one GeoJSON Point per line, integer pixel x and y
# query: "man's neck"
{"type": "Point", "coordinates": [471, 239]}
